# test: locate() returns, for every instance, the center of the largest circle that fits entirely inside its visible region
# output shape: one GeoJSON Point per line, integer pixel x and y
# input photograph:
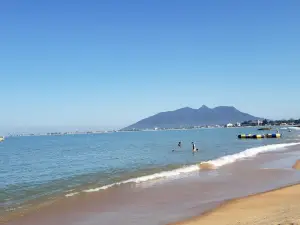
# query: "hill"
{"type": "Point", "coordinates": [185, 117]}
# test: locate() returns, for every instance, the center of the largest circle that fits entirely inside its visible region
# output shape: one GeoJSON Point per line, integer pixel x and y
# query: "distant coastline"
{"type": "Point", "coordinates": [255, 123]}
{"type": "Point", "coordinates": [280, 123]}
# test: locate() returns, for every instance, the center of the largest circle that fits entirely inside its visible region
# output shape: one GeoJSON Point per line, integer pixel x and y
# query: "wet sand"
{"type": "Point", "coordinates": [276, 207]}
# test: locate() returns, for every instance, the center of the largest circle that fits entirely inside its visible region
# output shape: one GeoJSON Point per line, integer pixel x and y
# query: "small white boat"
{"type": "Point", "coordinates": [1, 138]}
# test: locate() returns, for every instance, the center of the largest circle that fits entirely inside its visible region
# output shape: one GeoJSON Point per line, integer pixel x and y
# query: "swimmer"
{"type": "Point", "coordinates": [179, 144]}
{"type": "Point", "coordinates": [193, 147]}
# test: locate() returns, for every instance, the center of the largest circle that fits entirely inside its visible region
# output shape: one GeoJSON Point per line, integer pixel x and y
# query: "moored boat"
{"type": "Point", "coordinates": [265, 128]}
{"type": "Point", "coordinates": [258, 136]}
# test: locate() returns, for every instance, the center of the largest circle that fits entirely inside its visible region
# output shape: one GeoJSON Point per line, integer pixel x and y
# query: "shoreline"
{"type": "Point", "coordinates": [162, 173]}
{"type": "Point", "coordinates": [269, 204]}
{"type": "Point", "coordinates": [264, 172]}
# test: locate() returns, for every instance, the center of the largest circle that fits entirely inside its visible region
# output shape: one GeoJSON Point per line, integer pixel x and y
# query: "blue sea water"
{"type": "Point", "coordinates": [40, 167]}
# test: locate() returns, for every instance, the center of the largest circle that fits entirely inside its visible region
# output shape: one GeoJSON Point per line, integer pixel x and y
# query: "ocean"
{"type": "Point", "coordinates": [38, 169]}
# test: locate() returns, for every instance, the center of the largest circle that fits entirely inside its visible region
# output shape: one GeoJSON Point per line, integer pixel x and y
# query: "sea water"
{"type": "Point", "coordinates": [41, 167]}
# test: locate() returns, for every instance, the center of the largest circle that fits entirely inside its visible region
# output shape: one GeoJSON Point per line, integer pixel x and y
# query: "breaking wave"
{"type": "Point", "coordinates": [294, 128]}
{"type": "Point", "coordinates": [207, 165]}
{"type": "Point", "coordinates": [251, 152]}
{"type": "Point", "coordinates": [155, 176]}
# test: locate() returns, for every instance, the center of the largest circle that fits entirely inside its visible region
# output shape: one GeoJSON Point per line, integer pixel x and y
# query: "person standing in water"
{"type": "Point", "coordinates": [193, 147]}
{"type": "Point", "coordinates": [179, 144]}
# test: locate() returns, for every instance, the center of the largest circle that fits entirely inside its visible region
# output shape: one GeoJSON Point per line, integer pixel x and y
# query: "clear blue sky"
{"type": "Point", "coordinates": [111, 63]}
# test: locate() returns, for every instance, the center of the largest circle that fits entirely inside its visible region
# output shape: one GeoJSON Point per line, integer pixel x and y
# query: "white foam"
{"type": "Point", "coordinates": [155, 176]}
{"type": "Point", "coordinates": [102, 188]}
{"type": "Point", "coordinates": [251, 152]}
{"type": "Point", "coordinates": [294, 128]}
{"type": "Point", "coordinates": [72, 194]}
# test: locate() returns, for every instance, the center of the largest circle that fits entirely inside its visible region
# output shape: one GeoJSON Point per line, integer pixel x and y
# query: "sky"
{"type": "Point", "coordinates": [108, 64]}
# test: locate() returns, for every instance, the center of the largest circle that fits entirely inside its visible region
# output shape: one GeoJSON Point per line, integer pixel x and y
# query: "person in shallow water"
{"type": "Point", "coordinates": [179, 144]}
{"type": "Point", "coordinates": [194, 149]}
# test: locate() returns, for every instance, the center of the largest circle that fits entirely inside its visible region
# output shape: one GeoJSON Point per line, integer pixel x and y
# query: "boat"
{"type": "Point", "coordinates": [258, 136]}
{"type": "Point", "coordinates": [265, 128]}
{"type": "Point", "coordinates": [1, 138]}
{"type": "Point", "coordinates": [277, 135]}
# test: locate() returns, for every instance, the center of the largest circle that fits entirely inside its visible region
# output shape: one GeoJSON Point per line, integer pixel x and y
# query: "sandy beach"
{"type": "Point", "coordinates": [281, 206]}
{"type": "Point", "coordinates": [214, 194]}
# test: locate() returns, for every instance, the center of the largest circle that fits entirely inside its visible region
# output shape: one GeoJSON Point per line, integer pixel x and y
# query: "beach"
{"type": "Point", "coordinates": [126, 190]}
{"type": "Point", "coordinates": [149, 112]}
{"type": "Point", "coordinates": [281, 206]}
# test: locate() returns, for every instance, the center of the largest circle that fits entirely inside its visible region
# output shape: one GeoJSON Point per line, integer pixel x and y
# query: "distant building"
{"type": "Point", "coordinates": [254, 123]}
{"type": "Point", "coordinates": [229, 125]}
{"type": "Point", "coordinates": [238, 124]}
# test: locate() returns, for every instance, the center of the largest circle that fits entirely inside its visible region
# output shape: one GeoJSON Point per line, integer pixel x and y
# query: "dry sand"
{"type": "Point", "coordinates": [276, 207]}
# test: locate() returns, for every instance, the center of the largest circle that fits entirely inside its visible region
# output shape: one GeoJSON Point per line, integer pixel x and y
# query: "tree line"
{"type": "Point", "coordinates": [266, 122]}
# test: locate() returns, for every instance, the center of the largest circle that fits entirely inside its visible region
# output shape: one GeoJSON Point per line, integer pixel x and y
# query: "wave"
{"type": "Point", "coordinates": [294, 128]}
{"type": "Point", "coordinates": [72, 194]}
{"type": "Point", "coordinates": [211, 164]}
{"type": "Point", "coordinates": [155, 176]}
{"type": "Point", "coordinates": [251, 152]}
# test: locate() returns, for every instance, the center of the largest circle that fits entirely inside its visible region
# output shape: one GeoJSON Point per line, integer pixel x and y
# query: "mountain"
{"type": "Point", "coordinates": [193, 117]}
